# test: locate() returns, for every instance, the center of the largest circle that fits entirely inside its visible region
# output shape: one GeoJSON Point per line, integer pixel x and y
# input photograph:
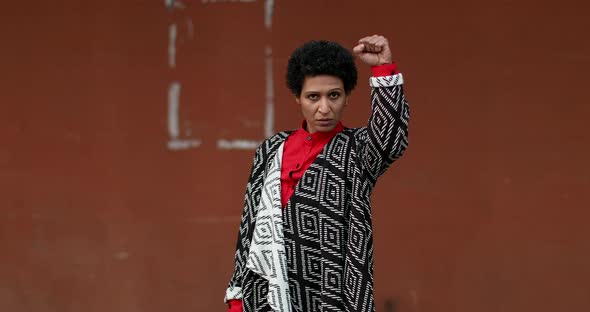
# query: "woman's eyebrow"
{"type": "Point", "coordinates": [329, 90]}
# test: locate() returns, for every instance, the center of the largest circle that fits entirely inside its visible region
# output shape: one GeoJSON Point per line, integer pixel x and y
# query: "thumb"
{"type": "Point", "coordinates": [359, 49]}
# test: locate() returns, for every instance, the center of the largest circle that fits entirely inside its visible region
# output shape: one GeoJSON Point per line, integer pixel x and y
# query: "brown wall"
{"type": "Point", "coordinates": [487, 211]}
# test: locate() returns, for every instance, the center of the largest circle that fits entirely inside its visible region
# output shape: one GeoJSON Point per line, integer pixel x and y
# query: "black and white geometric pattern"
{"type": "Point", "coordinates": [244, 283]}
{"type": "Point", "coordinates": [267, 256]}
{"type": "Point", "coordinates": [327, 222]}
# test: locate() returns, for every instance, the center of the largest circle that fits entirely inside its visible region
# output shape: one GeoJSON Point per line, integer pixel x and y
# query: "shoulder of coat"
{"type": "Point", "coordinates": [271, 143]}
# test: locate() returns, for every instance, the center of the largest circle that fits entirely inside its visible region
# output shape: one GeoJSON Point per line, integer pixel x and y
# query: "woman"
{"type": "Point", "coordinates": [305, 240]}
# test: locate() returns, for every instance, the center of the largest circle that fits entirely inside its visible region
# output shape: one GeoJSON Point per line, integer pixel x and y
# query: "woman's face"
{"type": "Point", "coordinates": [322, 102]}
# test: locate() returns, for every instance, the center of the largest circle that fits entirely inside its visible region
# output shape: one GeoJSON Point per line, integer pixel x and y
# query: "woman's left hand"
{"type": "Point", "coordinates": [373, 50]}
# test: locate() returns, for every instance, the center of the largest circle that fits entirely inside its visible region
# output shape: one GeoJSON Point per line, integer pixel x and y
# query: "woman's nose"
{"type": "Point", "coordinates": [324, 106]}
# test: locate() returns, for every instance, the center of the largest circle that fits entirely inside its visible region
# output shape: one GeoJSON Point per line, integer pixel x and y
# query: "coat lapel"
{"type": "Point", "coordinates": [267, 256]}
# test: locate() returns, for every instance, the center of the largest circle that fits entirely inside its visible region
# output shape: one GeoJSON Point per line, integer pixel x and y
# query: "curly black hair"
{"type": "Point", "coordinates": [320, 57]}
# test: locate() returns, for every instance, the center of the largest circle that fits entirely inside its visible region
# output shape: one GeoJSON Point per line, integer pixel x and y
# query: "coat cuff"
{"type": "Point", "coordinates": [386, 81]}
{"type": "Point", "coordinates": [233, 293]}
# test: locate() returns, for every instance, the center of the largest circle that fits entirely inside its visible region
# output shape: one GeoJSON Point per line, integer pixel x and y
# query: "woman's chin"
{"type": "Point", "coordinates": [324, 128]}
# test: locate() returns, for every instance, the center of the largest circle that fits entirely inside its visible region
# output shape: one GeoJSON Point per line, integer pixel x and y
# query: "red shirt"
{"type": "Point", "coordinates": [300, 151]}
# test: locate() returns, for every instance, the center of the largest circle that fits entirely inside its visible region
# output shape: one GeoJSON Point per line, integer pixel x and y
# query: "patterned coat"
{"type": "Point", "coordinates": [316, 254]}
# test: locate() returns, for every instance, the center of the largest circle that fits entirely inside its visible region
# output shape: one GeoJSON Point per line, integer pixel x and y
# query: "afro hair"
{"type": "Point", "coordinates": [320, 57]}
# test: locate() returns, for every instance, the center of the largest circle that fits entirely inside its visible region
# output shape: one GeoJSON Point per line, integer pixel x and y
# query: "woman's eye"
{"type": "Point", "coordinates": [313, 96]}
{"type": "Point", "coordinates": [334, 95]}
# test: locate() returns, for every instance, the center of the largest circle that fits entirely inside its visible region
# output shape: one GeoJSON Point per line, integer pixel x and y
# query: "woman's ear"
{"type": "Point", "coordinates": [297, 100]}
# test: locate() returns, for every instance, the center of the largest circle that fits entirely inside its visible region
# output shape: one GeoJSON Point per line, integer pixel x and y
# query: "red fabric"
{"type": "Point", "coordinates": [301, 149]}
{"type": "Point", "coordinates": [384, 70]}
{"type": "Point", "coordinates": [234, 305]}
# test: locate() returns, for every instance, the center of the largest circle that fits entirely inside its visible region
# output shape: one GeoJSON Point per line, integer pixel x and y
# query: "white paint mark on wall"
{"type": "Point", "coordinates": [175, 143]}
{"type": "Point", "coordinates": [121, 255]}
{"type": "Point", "coordinates": [180, 145]}
{"type": "Point", "coordinates": [173, 109]}
{"type": "Point", "coordinates": [174, 4]}
{"type": "Point", "coordinates": [237, 144]}
{"type": "Point", "coordinates": [268, 12]}
{"type": "Point", "coordinates": [269, 118]}
{"type": "Point", "coordinates": [172, 34]}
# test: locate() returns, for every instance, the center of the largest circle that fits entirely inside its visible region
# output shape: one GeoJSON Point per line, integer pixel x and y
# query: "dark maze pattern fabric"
{"type": "Point", "coordinates": [327, 221]}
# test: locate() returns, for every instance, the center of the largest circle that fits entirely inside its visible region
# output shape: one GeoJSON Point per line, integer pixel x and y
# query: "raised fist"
{"type": "Point", "coordinates": [373, 50]}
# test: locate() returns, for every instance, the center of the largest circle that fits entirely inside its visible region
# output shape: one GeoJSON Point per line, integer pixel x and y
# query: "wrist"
{"type": "Point", "coordinates": [382, 60]}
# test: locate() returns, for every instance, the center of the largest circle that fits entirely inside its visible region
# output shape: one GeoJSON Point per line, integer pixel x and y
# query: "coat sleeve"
{"type": "Point", "coordinates": [251, 200]}
{"type": "Point", "coordinates": [386, 136]}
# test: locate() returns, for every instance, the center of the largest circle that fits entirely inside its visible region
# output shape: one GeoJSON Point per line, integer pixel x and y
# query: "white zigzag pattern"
{"type": "Point", "coordinates": [268, 242]}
